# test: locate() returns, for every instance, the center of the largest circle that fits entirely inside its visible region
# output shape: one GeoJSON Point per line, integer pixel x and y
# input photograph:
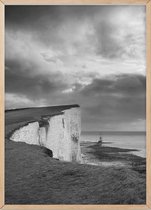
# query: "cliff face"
{"type": "Point", "coordinates": [59, 132]}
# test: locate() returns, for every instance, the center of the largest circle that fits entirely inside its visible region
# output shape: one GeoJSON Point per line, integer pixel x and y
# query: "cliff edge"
{"type": "Point", "coordinates": [55, 128]}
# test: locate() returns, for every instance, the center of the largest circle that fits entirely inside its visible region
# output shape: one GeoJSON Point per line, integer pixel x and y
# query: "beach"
{"type": "Point", "coordinates": [103, 155]}
{"type": "Point", "coordinates": [118, 149]}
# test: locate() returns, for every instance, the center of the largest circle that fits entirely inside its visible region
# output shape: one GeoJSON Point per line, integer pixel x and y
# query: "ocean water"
{"type": "Point", "coordinates": [126, 140]}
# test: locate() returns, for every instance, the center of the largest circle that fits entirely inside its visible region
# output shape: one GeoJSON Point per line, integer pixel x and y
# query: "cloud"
{"type": "Point", "coordinates": [65, 39]}
{"type": "Point", "coordinates": [18, 81]}
{"type": "Point", "coordinates": [108, 45]}
{"type": "Point", "coordinates": [114, 100]}
{"type": "Point", "coordinates": [124, 84]}
{"type": "Point", "coordinates": [90, 55]}
{"type": "Point", "coordinates": [17, 100]}
{"type": "Point", "coordinates": [122, 35]}
{"type": "Point", "coordinates": [115, 31]}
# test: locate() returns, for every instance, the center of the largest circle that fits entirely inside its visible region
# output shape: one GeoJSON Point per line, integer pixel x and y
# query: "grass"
{"type": "Point", "coordinates": [33, 177]}
{"type": "Point", "coordinates": [35, 113]}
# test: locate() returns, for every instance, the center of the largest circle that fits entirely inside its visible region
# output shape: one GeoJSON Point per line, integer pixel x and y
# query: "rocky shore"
{"type": "Point", "coordinates": [104, 155]}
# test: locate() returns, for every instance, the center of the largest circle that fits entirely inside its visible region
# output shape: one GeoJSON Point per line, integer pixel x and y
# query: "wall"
{"type": "Point", "coordinates": [59, 133]}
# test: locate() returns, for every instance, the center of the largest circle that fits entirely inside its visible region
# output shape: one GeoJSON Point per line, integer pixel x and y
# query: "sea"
{"type": "Point", "coordinates": [126, 140]}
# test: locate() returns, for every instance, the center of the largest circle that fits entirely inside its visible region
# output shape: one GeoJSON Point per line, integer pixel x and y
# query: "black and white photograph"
{"type": "Point", "coordinates": [75, 104]}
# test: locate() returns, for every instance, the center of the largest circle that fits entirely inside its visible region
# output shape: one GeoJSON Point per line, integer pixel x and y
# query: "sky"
{"type": "Point", "coordinates": [93, 56]}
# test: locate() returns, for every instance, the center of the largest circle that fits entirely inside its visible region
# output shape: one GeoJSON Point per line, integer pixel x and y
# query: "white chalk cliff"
{"type": "Point", "coordinates": [59, 132]}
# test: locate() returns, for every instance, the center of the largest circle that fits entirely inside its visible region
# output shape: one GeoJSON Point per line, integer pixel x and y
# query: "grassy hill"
{"type": "Point", "coordinates": [32, 177]}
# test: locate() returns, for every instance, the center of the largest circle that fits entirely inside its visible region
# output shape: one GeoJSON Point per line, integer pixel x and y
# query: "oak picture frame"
{"type": "Point", "coordinates": [147, 3]}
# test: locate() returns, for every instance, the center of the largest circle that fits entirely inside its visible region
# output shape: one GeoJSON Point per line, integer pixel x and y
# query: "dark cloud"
{"type": "Point", "coordinates": [115, 109]}
{"type": "Point", "coordinates": [35, 16]}
{"type": "Point", "coordinates": [110, 100]}
{"type": "Point", "coordinates": [56, 26]}
{"type": "Point", "coordinates": [26, 14]}
{"type": "Point", "coordinates": [121, 99]}
{"type": "Point", "coordinates": [27, 17]}
{"type": "Point", "coordinates": [52, 52]}
{"type": "Point", "coordinates": [19, 81]}
{"type": "Point", "coordinates": [47, 24]}
{"type": "Point", "coordinates": [129, 84]}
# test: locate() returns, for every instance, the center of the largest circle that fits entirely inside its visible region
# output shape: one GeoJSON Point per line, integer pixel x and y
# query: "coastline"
{"type": "Point", "coordinates": [104, 155]}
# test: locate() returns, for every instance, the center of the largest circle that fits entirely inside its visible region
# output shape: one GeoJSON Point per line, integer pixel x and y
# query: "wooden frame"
{"type": "Point", "coordinates": [148, 102]}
